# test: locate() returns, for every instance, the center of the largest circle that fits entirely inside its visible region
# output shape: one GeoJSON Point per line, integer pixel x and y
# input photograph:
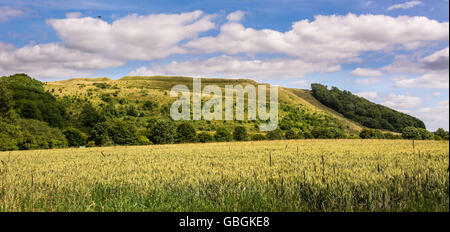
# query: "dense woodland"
{"type": "Point", "coordinates": [358, 109]}
{"type": "Point", "coordinates": [32, 118]}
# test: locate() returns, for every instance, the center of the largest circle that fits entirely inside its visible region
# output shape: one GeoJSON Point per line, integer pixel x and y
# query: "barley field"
{"type": "Point", "coordinates": [289, 175]}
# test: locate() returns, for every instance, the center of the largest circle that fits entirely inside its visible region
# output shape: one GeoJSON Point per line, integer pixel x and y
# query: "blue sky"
{"type": "Point", "coordinates": [391, 52]}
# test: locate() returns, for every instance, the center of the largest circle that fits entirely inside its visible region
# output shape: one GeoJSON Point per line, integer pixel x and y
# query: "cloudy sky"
{"type": "Point", "coordinates": [393, 52]}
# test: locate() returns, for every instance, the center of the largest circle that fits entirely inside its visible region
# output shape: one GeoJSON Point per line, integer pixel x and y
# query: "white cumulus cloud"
{"type": "Point", "coordinates": [432, 71]}
{"type": "Point", "coordinates": [73, 15]}
{"type": "Point", "coordinates": [368, 95]}
{"type": "Point", "coordinates": [51, 61]}
{"type": "Point", "coordinates": [401, 102]}
{"type": "Point", "coordinates": [326, 38]}
{"type": "Point", "coordinates": [436, 116]}
{"type": "Point", "coordinates": [366, 72]}
{"type": "Point", "coordinates": [405, 5]}
{"type": "Point", "coordinates": [7, 13]}
{"type": "Point", "coordinates": [236, 16]}
{"type": "Point", "coordinates": [368, 81]}
{"type": "Point", "coordinates": [133, 37]}
{"type": "Point", "coordinates": [227, 66]}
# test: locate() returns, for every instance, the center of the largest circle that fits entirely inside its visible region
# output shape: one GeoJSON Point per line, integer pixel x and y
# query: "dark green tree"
{"type": "Point", "coordinates": [89, 116]}
{"type": "Point", "coordinates": [6, 101]}
{"type": "Point", "coordinates": [390, 135]}
{"type": "Point", "coordinates": [75, 137]}
{"type": "Point", "coordinates": [258, 137]}
{"type": "Point", "coordinates": [240, 133]}
{"type": "Point", "coordinates": [186, 133]}
{"type": "Point", "coordinates": [327, 133]}
{"type": "Point", "coordinates": [367, 133]}
{"type": "Point", "coordinates": [425, 135]}
{"type": "Point", "coordinates": [123, 133]}
{"type": "Point", "coordinates": [411, 133]}
{"type": "Point", "coordinates": [28, 109]}
{"type": "Point", "coordinates": [223, 135]}
{"type": "Point", "coordinates": [99, 134]}
{"type": "Point", "coordinates": [131, 111]}
{"type": "Point", "coordinates": [25, 134]}
{"type": "Point", "coordinates": [442, 133]}
{"type": "Point", "coordinates": [276, 134]}
{"type": "Point", "coordinates": [379, 134]}
{"type": "Point", "coordinates": [290, 134]}
{"type": "Point", "coordinates": [161, 131]}
{"type": "Point", "coordinates": [204, 137]}
{"type": "Point", "coordinates": [149, 105]}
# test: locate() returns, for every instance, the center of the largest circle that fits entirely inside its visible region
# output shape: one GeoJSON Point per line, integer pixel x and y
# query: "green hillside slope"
{"type": "Point", "coordinates": [135, 91]}
{"type": "Point", "coordinates": [136, 110]}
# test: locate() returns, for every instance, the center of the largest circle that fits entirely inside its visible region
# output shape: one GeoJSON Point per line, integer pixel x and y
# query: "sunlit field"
{"type": "Point", "coordinates": [289, 175]}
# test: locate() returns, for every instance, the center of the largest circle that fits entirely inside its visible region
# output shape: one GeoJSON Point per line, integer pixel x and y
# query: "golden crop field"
{"type": "Point", "coordinates": [289, 175]}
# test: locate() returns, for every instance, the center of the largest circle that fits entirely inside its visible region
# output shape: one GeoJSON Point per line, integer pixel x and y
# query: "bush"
{"type": "Point", "coordinates": [425, 135]}
{"type": "Point", "coordinates": [416, 133]}
{"type": "Point", "coordinates": [353, 136]}
{"type": "Point", "coordinates": [161, 131]}
{"type": "Point", "coordinates": [28, 109]}
{"type": "Point", "coordinates": [442, 133]}
{"type": "Point", "coordinates": [123, 133]}
{"type": "Point", "coordinates": [308, 135]}
{"type": "Point", "coordinates": [90, 144]}
{"type": "Point", "coordinates": [144, 140]}
{"type": "Point", "coordinates": [379, 134]}
{"type": "Point", "coordinates": [327, 133]}
{"type": "Point", "coordinates": [131, 111]}
{"type": "Point", "coordinates": [389, 135]}
{"type": "Point", "coordinates": [223, 135]}
{"type": "Point", "coordinates": [204, 137]}
{"type": "Point", "coordinates": [75, 137]}
{"type": "Point", "coordinates": [411, 133]}
{"type": "Point", "coordinates": [290, 134]}
{"type": "Point", "coordinates": [149, 105]}
{"type": "Point", "coordinates": [106, 97]}
{"type": "Point", "coordinates": [186, 133]}
{"type": "Point", "coordinates": [240, 133]}
{"type": "Point", "coordinates": [276, 134]}
{"type": "Point", "coordinates": [89, 116]}
{"type": "Point", "coordinates": [258, 137]}
{"type": "Point", "coordinates": [99, 134]}
{"type": "Point", "coordinates": [165, 110]}
{"type": "Point", "coordinates": [367, 134]}
{"type": "Point", "coordinates": [8, 143]}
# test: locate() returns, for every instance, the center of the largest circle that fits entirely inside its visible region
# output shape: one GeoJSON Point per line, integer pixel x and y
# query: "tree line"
{"type": "Point", "coordinates": [366, 113]}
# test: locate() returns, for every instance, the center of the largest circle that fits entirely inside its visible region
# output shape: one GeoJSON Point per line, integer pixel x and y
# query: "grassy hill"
{"type": "Point", "coordinates": [134, 91]}
{"type": "Point", "coordinates": [136, 110]}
